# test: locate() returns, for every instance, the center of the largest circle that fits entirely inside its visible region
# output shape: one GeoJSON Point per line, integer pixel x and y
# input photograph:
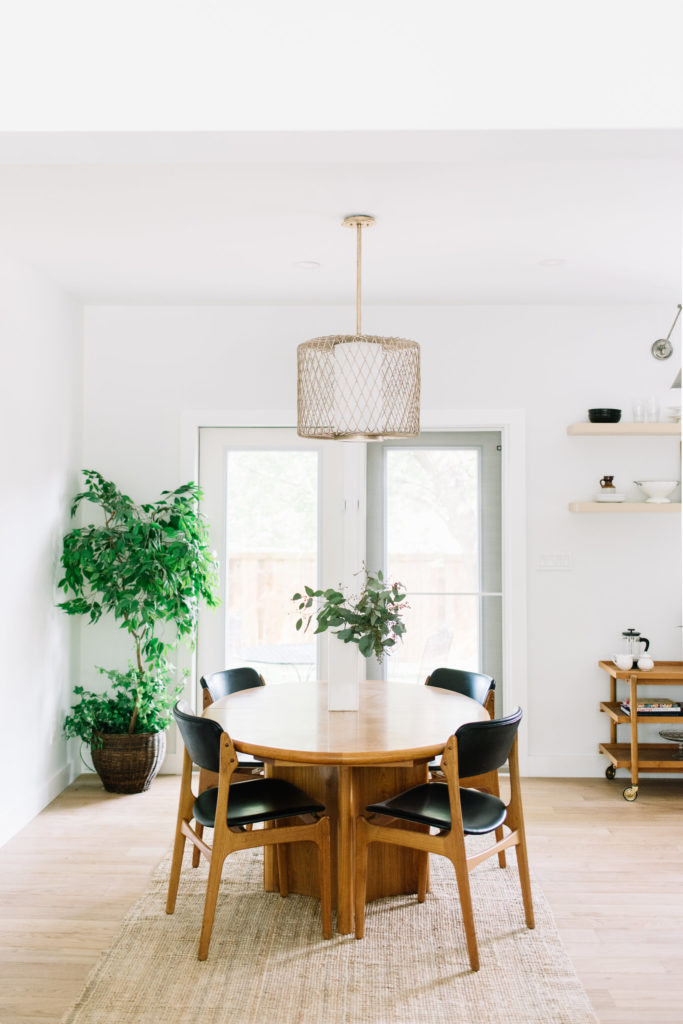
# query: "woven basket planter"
{"type": "Point", "coordinates": [128, 763]}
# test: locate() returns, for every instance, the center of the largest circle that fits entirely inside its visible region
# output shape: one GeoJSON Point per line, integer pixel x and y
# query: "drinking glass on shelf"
{"type": "Point", "coordinates": [639, 410]}
{"type": "Point", "coordinates": [651, 409]}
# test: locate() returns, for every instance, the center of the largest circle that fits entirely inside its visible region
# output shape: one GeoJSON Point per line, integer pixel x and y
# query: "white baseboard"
{"type": "Point", "coordinates": [33, 803]}
{"type": "Point", "coordinates": [563, 766]}
{"type": "Point", "coordinates": [580, 766]}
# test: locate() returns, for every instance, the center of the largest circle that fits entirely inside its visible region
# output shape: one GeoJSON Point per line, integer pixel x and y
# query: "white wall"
{"type": "Point", "coordinates": [147, 366]}
{"type": "Point", "coordinates": [40, 419]}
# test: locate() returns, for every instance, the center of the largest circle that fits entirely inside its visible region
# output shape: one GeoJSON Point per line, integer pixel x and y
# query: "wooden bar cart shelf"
{"type": "Point", "coordinates": [634, 756]}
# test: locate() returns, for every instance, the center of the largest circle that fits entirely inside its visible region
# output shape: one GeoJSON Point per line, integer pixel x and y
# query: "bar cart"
{"type": "Point", "coordinates": [639, 757]}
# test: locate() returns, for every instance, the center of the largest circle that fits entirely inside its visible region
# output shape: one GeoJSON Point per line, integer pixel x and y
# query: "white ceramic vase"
{"type": "Point", "coordinates": [345, 671]}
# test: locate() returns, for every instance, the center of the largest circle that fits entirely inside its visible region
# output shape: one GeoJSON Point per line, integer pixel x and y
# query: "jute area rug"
{"type": "Point", "coordinates": [268, 963]}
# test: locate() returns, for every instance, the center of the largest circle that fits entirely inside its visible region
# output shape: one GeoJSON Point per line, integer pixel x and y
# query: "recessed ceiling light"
{"type": "Point", "coordinates": [552, 261]}
{"type": "Point", "coordinates": [307, 264]}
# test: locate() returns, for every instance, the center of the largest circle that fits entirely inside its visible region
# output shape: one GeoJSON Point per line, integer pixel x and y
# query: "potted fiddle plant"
{"type": "Point", "coordinates": [149, 566]}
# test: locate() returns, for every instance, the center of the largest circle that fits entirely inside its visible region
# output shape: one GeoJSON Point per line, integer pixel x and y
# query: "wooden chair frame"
{"type": "Point", "coordinates": [488, 783]}
{"type": "Point", "coordinates": [451, 844]}
{"type": "Point", "coordinates": [208, 779]}
{"type": "Point", "coordinates": [229, 839]}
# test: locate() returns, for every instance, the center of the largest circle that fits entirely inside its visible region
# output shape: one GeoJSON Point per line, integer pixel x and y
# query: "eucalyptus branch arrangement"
{"type": "Point", "coordinates": [149, 566]}
{"type": "Point", "coordinates": [372, 620]}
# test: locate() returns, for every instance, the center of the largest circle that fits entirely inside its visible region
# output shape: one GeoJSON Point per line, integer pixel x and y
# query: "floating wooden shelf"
{"type": "Point", "coordinates": [626, 429]}
{"type": "Point", "coordinates": [622, 507]}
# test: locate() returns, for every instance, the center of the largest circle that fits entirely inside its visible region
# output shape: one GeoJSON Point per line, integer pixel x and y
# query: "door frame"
{"type": "Point", "coordinates": [512, 425]}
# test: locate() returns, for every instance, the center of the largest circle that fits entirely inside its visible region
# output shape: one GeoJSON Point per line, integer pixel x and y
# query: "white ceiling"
{"type": "Point", "coordinates": [461, 217]}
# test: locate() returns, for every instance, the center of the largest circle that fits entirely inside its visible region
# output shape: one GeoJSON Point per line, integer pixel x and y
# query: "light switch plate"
{"type": "Point", "coordinates": [555, 562]}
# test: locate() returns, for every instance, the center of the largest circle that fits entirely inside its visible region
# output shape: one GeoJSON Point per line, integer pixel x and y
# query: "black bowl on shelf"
{"type": "Point", "coordinates": [604, 415]}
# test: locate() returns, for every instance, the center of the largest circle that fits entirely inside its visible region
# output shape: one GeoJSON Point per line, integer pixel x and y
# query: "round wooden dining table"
{"type": "Point", "coordinates": [346, 759]}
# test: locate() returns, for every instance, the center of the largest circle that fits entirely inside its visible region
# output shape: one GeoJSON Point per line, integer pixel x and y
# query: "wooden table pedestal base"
{"type": "Point", "coordinates": [345, 791]}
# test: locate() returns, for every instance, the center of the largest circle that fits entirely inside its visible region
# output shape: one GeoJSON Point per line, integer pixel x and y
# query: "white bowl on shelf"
{"type": "Point", "coordinates": [657, 490]}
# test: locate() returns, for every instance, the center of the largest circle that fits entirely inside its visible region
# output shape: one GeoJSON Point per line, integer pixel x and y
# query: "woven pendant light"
{"type": "Point", "coordinates": [358, 385]}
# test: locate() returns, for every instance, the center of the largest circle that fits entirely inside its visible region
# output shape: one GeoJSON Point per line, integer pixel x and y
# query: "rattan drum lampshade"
{"type": "Point", "coordinates": [358, 385]}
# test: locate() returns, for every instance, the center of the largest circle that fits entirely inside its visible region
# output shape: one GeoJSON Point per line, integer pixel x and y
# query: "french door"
{"type": "Point", "coordinates": [263, 492]}
{"type": "Point", "coordinates": [434, 523]}
{"type": "Point", "coordinates": [286, 512]}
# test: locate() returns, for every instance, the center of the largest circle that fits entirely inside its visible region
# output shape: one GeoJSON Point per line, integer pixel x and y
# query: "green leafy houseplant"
{"type": "Point", "coordinates": [372, 620]}
{"type": "Point", "coordinates": [149, 566]}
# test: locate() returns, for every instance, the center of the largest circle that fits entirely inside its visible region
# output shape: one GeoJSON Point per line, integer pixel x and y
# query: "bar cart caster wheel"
{"type": "Point", "coordinates": [630, 793]}
{"type": "Point", "coordinates": [610, 771]}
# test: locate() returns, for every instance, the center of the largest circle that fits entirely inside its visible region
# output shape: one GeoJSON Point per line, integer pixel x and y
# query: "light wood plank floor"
{"type": "Point", "coordinates": [611, 872]}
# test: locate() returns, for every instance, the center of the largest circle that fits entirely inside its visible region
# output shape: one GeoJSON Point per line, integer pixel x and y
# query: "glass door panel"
{"type": "Point", "coordinates": [262, 496]}
{"type": "Point", "coordinates": [434, 524]}
{"type": "Point", "coordinates": [271, 543]}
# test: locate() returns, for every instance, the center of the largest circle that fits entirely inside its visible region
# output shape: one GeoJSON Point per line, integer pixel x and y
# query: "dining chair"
{"type": "Point", "coordinates": [477, 749]}
{"type": "Point", "coordinates": [476, 685]}
{"type": "Point", "coordinates": [217, 685]}
{"type": "Point", "coordinates": [227, 681]}
{"type": "Point", "coordinates": [221, 684]}
{"type": "Point", "coordinates": [230, 809]}
{"type": "Point", "coordinates": [481, 688]}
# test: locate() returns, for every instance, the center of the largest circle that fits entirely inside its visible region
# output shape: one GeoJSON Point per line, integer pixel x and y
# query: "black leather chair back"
{"type": "Point", "coordinates": [201, 737]}
{"type": "Point", "coordinates": [485, 746]}
{"type": "Point", "coordinates": [470, 684]}
{"type": "Point", "coordinates": [230, 680]}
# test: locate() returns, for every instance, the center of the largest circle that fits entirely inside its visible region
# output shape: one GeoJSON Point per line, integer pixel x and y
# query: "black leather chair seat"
{"type": "Point", "coordinates": [257, 800]}
{"type": "Point", "coordinates": [429, 805]}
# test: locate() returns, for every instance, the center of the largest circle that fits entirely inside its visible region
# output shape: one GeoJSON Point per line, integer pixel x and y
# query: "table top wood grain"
{"type": "Point", "coordinates": [395, 722]}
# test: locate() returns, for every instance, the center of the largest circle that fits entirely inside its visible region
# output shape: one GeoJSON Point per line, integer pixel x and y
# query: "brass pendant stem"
{"type": "Point", "coordinates": [358, 267]}
{"type": "Point", "coordinates": [358, 221]}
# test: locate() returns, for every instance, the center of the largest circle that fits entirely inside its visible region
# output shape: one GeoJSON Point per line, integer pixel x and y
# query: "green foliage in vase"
{"type": "Point", "coordinates": [149, 566]}
{"type": "Point", "coordinates": [373, 620]}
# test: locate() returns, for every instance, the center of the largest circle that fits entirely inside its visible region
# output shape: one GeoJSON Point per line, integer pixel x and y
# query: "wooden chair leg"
{"type": "Point", "coordinates": [176, 864]}
{"type": "Point", "coordinates": [462, 876]}
{"type": "Point", "coordinates": [206, 781]}
{"type": "Point", "coordinates": [525, 882]}
{"type": "Point", "coordinates": [422, 876]}
{"type": "Point", "coordinates": [215, 871]}
{"type": "Point", "coordinates": [516, 823]}
{"type": "Point", "coordinates": [324, 874]}
{"type": "Point", "coordinates": [499, 833]}
{"type": "Point", "coordinates": [196, 852]}
{"type": "Point", "coordinates": [361, 875]}
{"type": "Point", "coordinates": [281, 850]}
